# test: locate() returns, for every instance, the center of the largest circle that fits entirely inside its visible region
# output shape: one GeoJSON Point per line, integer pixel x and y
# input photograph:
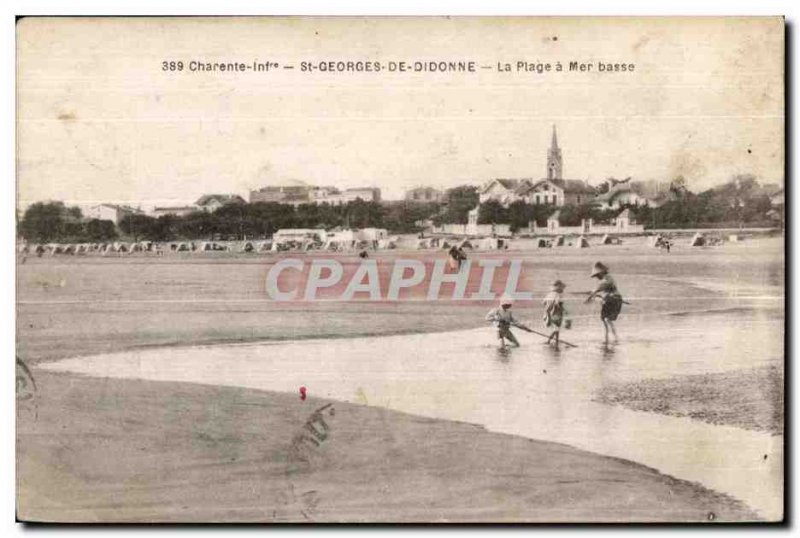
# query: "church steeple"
{"type": "Point", "coordinates": [554, 163]}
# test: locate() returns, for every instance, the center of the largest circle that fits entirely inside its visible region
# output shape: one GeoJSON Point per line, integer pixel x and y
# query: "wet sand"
{"type": "Point", "coordinates": [132, 451]}
{"type": "Point", "coordinates": [751, 399]}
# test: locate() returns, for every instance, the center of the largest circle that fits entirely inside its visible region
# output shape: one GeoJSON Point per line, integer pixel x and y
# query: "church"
{"type": "Point", "coordinates": [552, 189]}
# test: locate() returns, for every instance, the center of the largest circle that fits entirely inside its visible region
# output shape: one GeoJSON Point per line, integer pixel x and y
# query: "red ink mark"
{"type": "Point", "coordinates": [303, 393]}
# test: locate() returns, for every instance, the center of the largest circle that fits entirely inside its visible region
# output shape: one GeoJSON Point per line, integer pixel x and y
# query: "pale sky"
{"type": "Point", "coordinates": [99, 121]}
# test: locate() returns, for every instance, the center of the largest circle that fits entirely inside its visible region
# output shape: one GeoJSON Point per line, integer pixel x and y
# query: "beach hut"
{"type": "Point", "coordinates": [733, 238]}
{"type": "Point", "coordinates": [698, 240]}
{"type": "Point", "coordinates": [388, 243]}
{"type": "Point", "coordinates": [542, 243]}
{"type": "Point", "coordinates": [606, 240]}
{"type": "Point", "coordinates": [490, 243]}
{"type": "Point", "coordinates": [210, 246]}
{"type": "Point", "coordinates": [559, 241]}
{"type": "Point", "coordinates": [582, 242]}
{"type": "Point", "coordinates": [466, 243]}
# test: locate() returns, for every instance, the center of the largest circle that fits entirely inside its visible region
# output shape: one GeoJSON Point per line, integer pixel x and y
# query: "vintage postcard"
{"type": "Point", "coordinates": [431, 269]}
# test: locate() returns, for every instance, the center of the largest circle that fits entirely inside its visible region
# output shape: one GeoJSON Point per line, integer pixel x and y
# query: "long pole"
{"type": "Point", "coordinates": [568, 344]}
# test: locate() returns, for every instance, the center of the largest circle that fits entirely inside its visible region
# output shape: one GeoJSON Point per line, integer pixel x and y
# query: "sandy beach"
{"type": "Point", "coordinates": [70, 308]}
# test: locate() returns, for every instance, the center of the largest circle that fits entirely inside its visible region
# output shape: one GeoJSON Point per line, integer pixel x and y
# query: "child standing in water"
{"type": "Point", "coordinates": [554, 311]}
{"type": "Point", "coordinates": [612, 299]}
{"type": "Point", "coordinates": [503, 320]}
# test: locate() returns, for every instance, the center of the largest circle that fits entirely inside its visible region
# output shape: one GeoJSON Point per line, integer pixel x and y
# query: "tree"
{"type": "Point", "coordinates": [163, 229]}
{"type": "Point", "coordinates": [492, 212]}
{"type": "Point", "coordinates": [100, 230]}
{"type": "Point", "coordinates": [46, 221]}
{"type": "Point", "coordinates": [136, 225]}
{"type": "Point", "coordinates": [460, 200]}
{"type": "Point", "coordinates": [402, 217]}
{"type": "Point", "coordinates": [361, 214]}
{"type": "Point", "coordinates": [197, 225]}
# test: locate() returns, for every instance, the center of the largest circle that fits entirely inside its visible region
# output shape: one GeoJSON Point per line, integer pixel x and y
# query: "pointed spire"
{"type": "Point", "coordinates": [554, 143]}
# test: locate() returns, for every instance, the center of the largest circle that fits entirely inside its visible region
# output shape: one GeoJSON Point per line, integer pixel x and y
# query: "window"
{"type": "Point", "coordinates": [579, 198]}
{"type": "Point", "coordinates": [554, 199]}
{"type": "Point", "coordinates": [537, 199]}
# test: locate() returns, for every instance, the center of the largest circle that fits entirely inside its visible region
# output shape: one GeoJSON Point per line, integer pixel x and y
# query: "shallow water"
{"type": "Point", "coordinates": [533, 391]}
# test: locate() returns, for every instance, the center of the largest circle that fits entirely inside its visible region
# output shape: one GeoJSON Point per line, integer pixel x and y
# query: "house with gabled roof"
{"type": "Point", "coordinates": [634, 193]}
{"type": "Point", "coordinates": [503, 190]}
{"type": "Point", "coordinates": [559, 192]}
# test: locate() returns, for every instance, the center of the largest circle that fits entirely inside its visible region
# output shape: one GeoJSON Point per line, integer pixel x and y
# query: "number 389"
{"type": "Point", "coordinates": [171, 66]}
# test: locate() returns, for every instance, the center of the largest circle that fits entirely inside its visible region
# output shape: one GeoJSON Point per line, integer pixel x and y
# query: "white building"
{"type": "Point", "coordinates": [300, 235]}
{"type": "Point", "coordinates": [372, 234]}
{"type": "Point", "coordinates": [112, 212]}
{"type": "Point", "coordinates": [177, 211]}
{"type": "Point", "coordinates": [558, 192]}
{"type": "Point", "coordinates": [622, 224]}
{"type": "Point", "coordinates": [368, 194]}
{"type": "Point", "coordinates": [424, 194]}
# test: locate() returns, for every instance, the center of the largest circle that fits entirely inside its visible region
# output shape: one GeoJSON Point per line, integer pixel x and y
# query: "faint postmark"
{"type": "Point", "coordinates": [26, 387]}
{"type": "Point", "coordinates": [305, 452]}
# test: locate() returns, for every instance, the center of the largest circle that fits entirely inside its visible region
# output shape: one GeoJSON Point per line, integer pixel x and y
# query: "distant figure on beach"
{"type": "Point", "coordinates": [503, 320]}
{"type": "Point", "coordinates": [462, 256]}
{"type": "Point", "coordinates": [457, 256]}
{"type": "Point", "coordinates": [554, 311]}
{"type": "Point", "coordinates": [612, 299]}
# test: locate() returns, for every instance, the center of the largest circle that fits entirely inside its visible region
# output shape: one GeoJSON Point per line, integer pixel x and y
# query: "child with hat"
{"type": "Point", "coordinates": [503, 320]}
{"type": "Point", "coordinates": [554, 311]}
{"type": "Point", "coordinates": [612, 299]}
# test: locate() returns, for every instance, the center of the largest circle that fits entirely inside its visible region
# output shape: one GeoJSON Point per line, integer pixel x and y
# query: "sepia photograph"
{"type": "Point", "coordinates": [307, 269]}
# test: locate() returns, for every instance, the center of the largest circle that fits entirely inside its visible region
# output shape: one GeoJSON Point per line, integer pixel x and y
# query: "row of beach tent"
{"type": "Point", "coordinates": [332, 245]}
{"type": "Point", "coordinates": [258, 246]}
{"type": "Point", "coordinates": [561, 241]}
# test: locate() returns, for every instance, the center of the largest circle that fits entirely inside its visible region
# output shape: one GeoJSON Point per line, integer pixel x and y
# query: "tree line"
{"type": "Point", "coordinates": [55, 222]}
{"type": "Point", "coordinates": [738, 202]}
{"type": "Point", "coordinates": [741, 201]}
